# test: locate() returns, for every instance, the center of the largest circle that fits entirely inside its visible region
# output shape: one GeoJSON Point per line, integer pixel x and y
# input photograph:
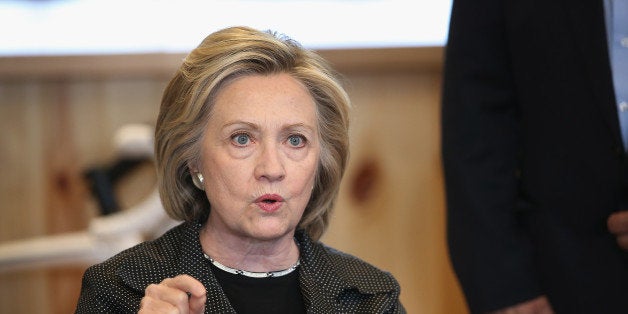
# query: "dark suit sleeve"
{"type": "Point", "coordinates": [489, 252]}
{"type": "Point", "coordinates": [103, 292]}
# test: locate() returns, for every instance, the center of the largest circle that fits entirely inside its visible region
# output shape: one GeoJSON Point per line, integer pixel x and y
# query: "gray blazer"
{"type": "Point", "coordinates": [331, 281]}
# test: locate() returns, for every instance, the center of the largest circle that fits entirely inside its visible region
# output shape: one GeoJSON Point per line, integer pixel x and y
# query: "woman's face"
{"type": "Point", "coordinates": [259, 156]}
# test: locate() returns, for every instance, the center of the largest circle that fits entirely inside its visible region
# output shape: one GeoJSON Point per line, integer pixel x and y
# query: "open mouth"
{"type": "Point", "coordinates": [269, 202]}
{"type": "Point", "coordinates": [269, 199]}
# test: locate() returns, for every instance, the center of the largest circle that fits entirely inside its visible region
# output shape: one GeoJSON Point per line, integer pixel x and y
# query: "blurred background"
{"type": "Point", "coordinates": [81, 82]}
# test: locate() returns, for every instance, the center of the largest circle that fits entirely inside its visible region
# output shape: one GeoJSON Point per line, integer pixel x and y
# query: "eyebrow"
{"type": "Point", "coordinates": [257, 127]}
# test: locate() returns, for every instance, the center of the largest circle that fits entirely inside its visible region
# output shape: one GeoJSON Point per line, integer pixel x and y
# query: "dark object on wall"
{"type": "Point", "coordinates": [103, 179]}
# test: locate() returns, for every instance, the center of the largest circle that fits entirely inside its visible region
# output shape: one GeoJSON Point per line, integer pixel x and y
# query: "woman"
{"type": "Point", "coordinates": [251, 145]}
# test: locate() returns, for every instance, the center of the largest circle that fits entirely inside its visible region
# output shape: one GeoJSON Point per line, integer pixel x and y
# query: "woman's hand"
{"type": "Point", "coordinates": [538, 305]}
{"type": "Point", "coordinates": [182, 294]}
{"type": "Point", "coordinates": [618, 225]}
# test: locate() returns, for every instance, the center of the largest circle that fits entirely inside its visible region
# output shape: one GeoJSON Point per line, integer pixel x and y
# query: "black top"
{"type": "Point", "coordinates": [261, 295]}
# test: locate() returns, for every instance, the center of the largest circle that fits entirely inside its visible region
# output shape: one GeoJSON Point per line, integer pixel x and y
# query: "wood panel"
{"type": "Point", "coordinates": [58, 116]}
{"type": "Point", "coordinates": [52, 131]}
{"type": "Point", "coordinates": [390, 211]}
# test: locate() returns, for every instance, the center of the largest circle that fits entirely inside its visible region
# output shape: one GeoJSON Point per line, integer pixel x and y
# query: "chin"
{"type": "Point", "coordinates": [272, 232]}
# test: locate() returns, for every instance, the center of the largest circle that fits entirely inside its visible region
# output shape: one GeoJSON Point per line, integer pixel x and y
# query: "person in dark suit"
{"type": "Point", "coordinates": [535, 166]}
{"type": "Point", "coordinates": [251, 143]}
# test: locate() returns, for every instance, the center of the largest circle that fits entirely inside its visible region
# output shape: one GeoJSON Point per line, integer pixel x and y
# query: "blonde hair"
{"type": "Point", "coordinates": [188, 100]}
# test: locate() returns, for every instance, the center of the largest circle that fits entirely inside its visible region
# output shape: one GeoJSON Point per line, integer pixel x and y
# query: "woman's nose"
{"type": "Point", "coordinates": [269, 164]}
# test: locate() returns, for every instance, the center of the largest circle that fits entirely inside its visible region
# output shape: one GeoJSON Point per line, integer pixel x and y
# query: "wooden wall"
{"type": "Point", "coordinates": [58, 116]}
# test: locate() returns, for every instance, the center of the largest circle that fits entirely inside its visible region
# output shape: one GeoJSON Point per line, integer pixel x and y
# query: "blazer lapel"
{"type": "Point", "coordinates": [141, 270]}
{"type": "Point", "coordinates": [319, 286]}
{"type": "Point", "coordinates": [193, 263]}
{"type": "Point", "coordinates": [589, 33]}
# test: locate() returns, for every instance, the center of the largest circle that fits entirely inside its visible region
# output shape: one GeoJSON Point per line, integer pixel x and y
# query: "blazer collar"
{"type": "Point", "coordinates": [143, 269]}
{"type": "Point", "coordinates": [324, 279]}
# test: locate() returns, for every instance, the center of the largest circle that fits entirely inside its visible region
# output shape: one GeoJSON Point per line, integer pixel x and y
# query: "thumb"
{"type": "Point", "coordinates": [197, 303]}
{"type": "Point", "coordinates": [197, 294]}
{"type": "Point", "coordinates": [618, 222]}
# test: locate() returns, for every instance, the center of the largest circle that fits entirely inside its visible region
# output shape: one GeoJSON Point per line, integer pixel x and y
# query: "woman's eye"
{"type": "Point", "coordinates": [296, 140]}
{"type": "Point", "coordinates": [241, 139]}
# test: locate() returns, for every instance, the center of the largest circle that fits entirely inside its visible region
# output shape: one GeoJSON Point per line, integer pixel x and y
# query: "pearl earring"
{"type": "Point", "coordinates": [197, 179]}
